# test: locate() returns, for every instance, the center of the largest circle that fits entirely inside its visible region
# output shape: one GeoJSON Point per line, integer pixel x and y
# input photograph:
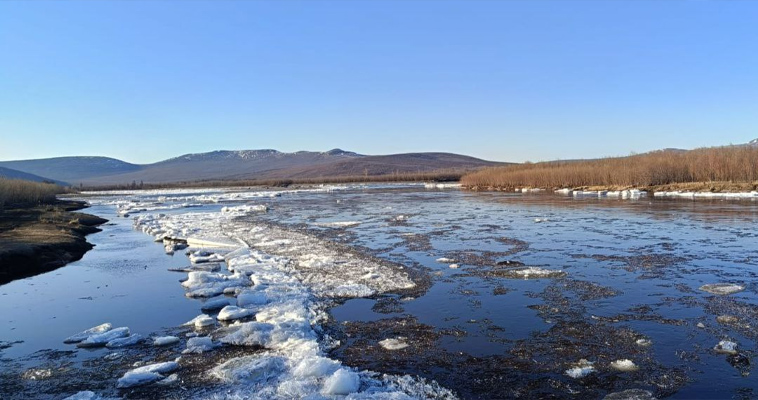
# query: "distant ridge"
{"type": "Point", "coordinates": [14, 174]}
{"type": "Point", "coordinates": [72, 169]}
{"type": "Point", "coordinates": [259, 164]}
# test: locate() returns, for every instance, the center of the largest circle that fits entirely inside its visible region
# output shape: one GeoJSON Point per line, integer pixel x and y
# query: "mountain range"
{"type": "Point", "coordinates": [265, 164]}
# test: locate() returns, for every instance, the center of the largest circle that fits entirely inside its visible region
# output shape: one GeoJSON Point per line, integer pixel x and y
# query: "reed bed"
{"type": "Point", "coordinates": [658, 168]}
{"type": "Point", "coordinates": [20, 192]}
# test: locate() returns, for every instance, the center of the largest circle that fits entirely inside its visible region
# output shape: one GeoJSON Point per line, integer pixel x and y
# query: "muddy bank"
{"type": "Point", "coordinates": [41, 238]}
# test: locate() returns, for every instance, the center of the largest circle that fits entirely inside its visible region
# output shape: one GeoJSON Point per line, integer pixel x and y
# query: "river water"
{"type": "Point", "coordinates": [619, 307]}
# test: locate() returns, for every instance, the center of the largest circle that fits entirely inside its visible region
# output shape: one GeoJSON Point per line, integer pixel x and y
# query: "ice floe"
{"type": "Point", "coordinates": [165, 340]}
{"type": "Point", "coordinates": [102, 339]}
{"type": "Point", "coordinates": [199, 345]}
{"type": "Point", "coordinates": [342, 382]}
{"type": "Point", "coordinates": [201, 321]}
{"type": "Point", "coordinates": [394, 343]}
{"type": "Point", "coordinates": [256, 368]}
{"type": "Point", "coordinates": [726, 346]}
{"type": "Point", "coordinates": [147, 374]}
{"type": "Point", "coordinates": [85, 395]}
{"type": "Point", "coordinates": [338, 224]}
{"type": "Point", "coordinates": [722, 288]}
{"type": "Point", "coordinates": [624, 365]}
{"type": "Point", "coordinates": [130, 340]}
{"type": "Point", "coordinates": [231, 313]}
{"type": "Point", "coordinates": [532, 273]}
{"type": "Point", "coordinates": [89, 332]}
{"type": "Point", "coordinates": [581, 369]}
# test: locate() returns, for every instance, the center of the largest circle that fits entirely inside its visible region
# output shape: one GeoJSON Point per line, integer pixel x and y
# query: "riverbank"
{"type": "Point", "coordinates": [40, 238]}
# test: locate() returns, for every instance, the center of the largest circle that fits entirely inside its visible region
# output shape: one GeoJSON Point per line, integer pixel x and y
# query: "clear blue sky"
{"type": "Point", "coordinates": [502, 80]}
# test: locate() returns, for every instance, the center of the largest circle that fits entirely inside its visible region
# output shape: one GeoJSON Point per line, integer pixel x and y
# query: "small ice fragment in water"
{"type": "Point", "coordinates": [230, 313]}
{"type": "Point", "coordinates": [341, 382]}
{"type": "Point", "coordinates": [643, 342]}
{"type": "Point", "coordinates": [445, 260]}
{"type": "Point", "coordinates": [199, 345]}
{"type": "Point", "coordinates": [126, 341]}
{"type": "Point", "coordinates": [101, 339]}
{"type": "Point", "coordinates": [147, 374]}
{"type": "Point", "coordinates": [727, 319]}
{"type": "Point", "coordinates": [165, 340]}
{"type": "Point", "coordinates": [35, 374]}
{"type": "Point", "coordinates": [700, 325]}
{"type": "Point", "coordinates": [454, 266]}
{"type": "Point", "coordinates": [113, 356]}
{"type": "Point", "coordinates": [533, 273]}
{"type": "Point", "coordinates": [89, 332]}
{"type": "Point", "coordinates": [85, 395]}
{"type": "Point", "coordinates": [539, 220]}
{"type": "Point", "coordinates": [201, 321]}
{"type": "Point", "coordinates": [394, 344]}
{"type": "Point", "coordinates": [631, 394]}
{"type": "Point", "coordinates": [624, 365]}
{"type": "Point", "coordinates": [581, 369]}
{"type": "Point", "coordinates": [726, 347]}
{"type": "Point", "coordinates": [722, 288]}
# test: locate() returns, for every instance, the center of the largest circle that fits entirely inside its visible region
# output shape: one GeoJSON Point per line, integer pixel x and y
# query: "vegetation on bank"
{"type": "Point", "coordinates": [733, 165]}
{"type": "Point", "coordinates": [452, 175]}
{"type": "Point", "coordinates": [20, 192]}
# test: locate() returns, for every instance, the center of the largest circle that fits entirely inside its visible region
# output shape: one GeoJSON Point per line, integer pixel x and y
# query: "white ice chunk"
{"type": "Point", "coordinates": [445, 260]}
{"type": "Point", "coordinates": [341, 382]}
{"type": "Point", "coordinates": [89, 332]}
{"type": "Point", "coordinates": [201, 321]}
{"type": "Point", "coordinates": [249, 369]}
{"type": "Point", "coordinates": [231, 313]}
{"type": "Point", "coordinates": [215, 304]}
{"type": "Point", "coordinates": [726, 346]}
{"type": "Point", "coordinates": [394, 344]}
{"type": "Point", "coordinates": [101, 339]}
{"type": "Point", "coordinates": [249, 334]}
{"type": "Point", "coordinates": [722, 288]}
{"type": "Point", "coordinates": [147, 374]}
{"type": "Point", "coordinates": [315, 367]}
{"type": "Point", "coordinates": [165, 340]}
{"type": "Point", "coordinates": [624, 365]}
{"type": "Point", "coordinates": [85, 395]}
{"type": "Point", "coordinates": [245, 299]}
{"type": "Point", "coordinates": [199, 345]}
{"type": "Point", "coordinates": [124, 342]}
{"type": "Point", "coordinates": [581, 369]}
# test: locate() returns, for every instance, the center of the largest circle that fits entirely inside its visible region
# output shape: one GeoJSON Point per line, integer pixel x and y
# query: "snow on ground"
{"type": "Point", "coordinates": [709, 195]}
{"type": "Point", "coordinates": [282, 280]}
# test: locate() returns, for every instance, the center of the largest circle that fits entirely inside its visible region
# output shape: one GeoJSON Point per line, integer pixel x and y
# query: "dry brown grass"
{"type": "Point", "coordinates": [15, 191]}
{"type": "Point", "coordinates": [731, 164]}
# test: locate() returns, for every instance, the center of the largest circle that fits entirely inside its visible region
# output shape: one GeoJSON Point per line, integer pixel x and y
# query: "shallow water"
{"type": "Point", "coordinates": [123, 280]}
{"type": "Point", "coordinates": [633, 269]}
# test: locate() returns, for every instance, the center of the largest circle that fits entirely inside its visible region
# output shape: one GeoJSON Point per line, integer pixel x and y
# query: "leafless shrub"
{"type": "Point", "coordinates": [665, 167]}
{"type": "Point", "coordinates": [14, 191]}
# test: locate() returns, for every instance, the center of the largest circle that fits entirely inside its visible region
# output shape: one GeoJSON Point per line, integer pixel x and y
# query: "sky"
{"type": "Point", "coordinates": [503, 80]}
